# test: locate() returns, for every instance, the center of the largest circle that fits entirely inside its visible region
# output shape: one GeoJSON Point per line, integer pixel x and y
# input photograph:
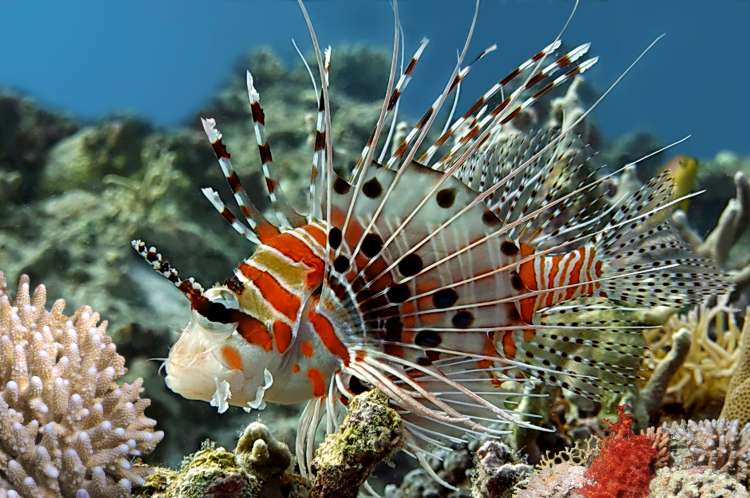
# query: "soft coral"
{"type": "Point", "coordinates": [625, 463]}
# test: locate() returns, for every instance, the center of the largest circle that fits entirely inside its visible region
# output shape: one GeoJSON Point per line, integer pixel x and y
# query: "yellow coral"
{"type": "Point", "coordinates": [737, 402]}
{"type": "Point", "coordinates": [704, 377]}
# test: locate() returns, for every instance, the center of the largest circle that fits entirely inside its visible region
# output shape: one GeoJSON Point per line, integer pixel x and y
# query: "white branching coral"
{"type": "Point", "coordinates": [66, 427]}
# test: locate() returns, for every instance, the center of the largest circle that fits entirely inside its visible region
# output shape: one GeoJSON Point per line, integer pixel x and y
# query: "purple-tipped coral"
{"type": "Point", "coordinates": [66, 427]}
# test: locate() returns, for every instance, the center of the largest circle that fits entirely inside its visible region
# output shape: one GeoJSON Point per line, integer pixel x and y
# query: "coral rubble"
{"type": "Point", "coordinates": [67, 428]}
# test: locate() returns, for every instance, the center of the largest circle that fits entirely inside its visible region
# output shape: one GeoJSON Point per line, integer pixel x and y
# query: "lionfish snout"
{"type": "Point", "coordinates": [217, 365]}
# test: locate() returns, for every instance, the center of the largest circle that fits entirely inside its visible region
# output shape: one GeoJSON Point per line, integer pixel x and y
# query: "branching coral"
{"type": "Point", "coordinates": [659, 439]}
{"type": "Point", "coordinates": [703, 378]}
{"type": "Point", "coordinates": [720, 444]}
{"type": "Point", "coordinates": [653, 392]}
{"type": "Point", "coordinates": [66, 427]}
{"type": "Point", "coordinates": [732, 223]}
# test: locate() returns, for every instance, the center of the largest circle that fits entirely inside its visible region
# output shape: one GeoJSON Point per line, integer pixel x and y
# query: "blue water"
{"type": "Point", "coordinates": [163, 59]}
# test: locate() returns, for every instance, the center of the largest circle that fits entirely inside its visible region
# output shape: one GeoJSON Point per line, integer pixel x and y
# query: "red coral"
{"type": "Point", "coordinates": [625, 464]}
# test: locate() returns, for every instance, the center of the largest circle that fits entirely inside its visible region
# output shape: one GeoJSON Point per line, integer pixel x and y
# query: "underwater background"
{"type": "Point", "coordinates": [101, 142]}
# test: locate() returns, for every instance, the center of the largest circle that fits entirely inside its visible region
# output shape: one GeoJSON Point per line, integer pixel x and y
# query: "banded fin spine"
{"type": "Point", "coordinates": [288, 216]}
{"type": "Point", "coordinates": [263, 228]}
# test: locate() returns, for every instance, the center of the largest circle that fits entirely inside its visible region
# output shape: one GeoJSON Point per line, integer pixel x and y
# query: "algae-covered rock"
{"type": "Point", "coordinates": [27, 133]}
{"type": "Point", "coordinates": [214, 472]}
{"type": "Point", "coordinates": [256, 468]}
{"type": "Point", "coordinates": [370, 433]}
{"type": "Point", "coordinates": [496, 474]}
{"type": "Point", "coordinates": [82, 160]}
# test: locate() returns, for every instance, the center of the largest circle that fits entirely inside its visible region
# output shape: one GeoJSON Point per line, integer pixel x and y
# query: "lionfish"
{"type": "Point", "coordinates": [441, 275]}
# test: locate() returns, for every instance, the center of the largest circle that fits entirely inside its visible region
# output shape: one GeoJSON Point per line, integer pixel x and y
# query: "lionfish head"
{"type": "Point", "coordinates": [213, 360]}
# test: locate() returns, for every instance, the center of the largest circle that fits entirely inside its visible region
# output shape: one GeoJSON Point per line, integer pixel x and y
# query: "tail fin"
{"type": "Point", "coordinates": [645, 262]}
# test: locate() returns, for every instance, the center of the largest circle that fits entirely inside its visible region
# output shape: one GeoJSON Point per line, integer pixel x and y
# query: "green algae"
{"type": "Point", "coordinates": [370, 433]}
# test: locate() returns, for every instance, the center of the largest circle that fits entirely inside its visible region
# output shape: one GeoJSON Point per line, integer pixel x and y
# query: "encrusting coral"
{"type": "Point", "coordinates": [66, 427]}
{"type": "Point", "coordinates": [561, 474]}
{"type": "Point", "coordinates": [699, 482]}
{"type": "Point", "coordinates": [737, 401]}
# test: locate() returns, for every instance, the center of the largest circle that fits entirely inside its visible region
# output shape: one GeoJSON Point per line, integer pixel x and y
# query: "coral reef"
{"type": "Point", "coordinates": [701, 381]}
{"type": "Point", "coordinates": [74, 195]}
{"type": "Point", "coordinates": [369, 434]}
{"type": "Point", "coordinates": [653, 392]}
{"type": "Point", "coordinates": [256, 468]}
{"type": "Point", "coordinates": [695, 483]}
{"type": "Point", "coordinates": [494, 475]}
{"type": "Point", "coordinates": [560, 474]}
{"type": "Point", "coordinates": [730, 227]}
{"type": "Point", "coordinates": [737, 401]}
{"type": "Point", "coordinates": [624, 464]}
{"type": "Point", "coordinates": [722, 445]}
{"type": "Point", "coordinates": [66, 427]}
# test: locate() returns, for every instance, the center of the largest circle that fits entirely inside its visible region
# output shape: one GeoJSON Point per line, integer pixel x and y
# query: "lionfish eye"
{"type": "Point", "coordinates": [218, 306]}
{"type": "Point", "coordinates": [224, 297]}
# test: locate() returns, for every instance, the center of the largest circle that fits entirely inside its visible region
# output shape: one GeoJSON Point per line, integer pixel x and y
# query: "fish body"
{"type": "Point", "coordinates": [441, 275]}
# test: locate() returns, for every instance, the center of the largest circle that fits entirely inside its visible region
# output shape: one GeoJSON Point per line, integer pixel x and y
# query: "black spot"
{"type": "Point", "coordinates": [371, 244]}
{"type": "Point", "coordinates": [410, 265]}
{"type": "Point", "coordinates": [446, 197]}
{"type": "Point", "coordinates": [356, 386]}
{"type": "Point", "coordinates": [427, 339]}
{"type": "Point", "coordinates": [462, 319]}
{"type": "Point", "coordinates": [515, 281]}
{"type": "Point", "coordinates": [334, 237]}
{"type": "Point", "coordinates": [393, 328]}
{"type": "Point", "coordinates": [509, 248]}
{"type": "Point", "coordinates": [341, 186]}
{"type": "Point", "coordinates": [489, 218]}
{"type": "Point", "coordinates": [372, 188]}
{"type": "Point", "coordinates": [341, 264]}
{"type": "Point", "coordinates": [444, 298]}
{"type": "Point", "coordinates": [424, 361]}
{"type": "Point", "coordinates": [398, 293]}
